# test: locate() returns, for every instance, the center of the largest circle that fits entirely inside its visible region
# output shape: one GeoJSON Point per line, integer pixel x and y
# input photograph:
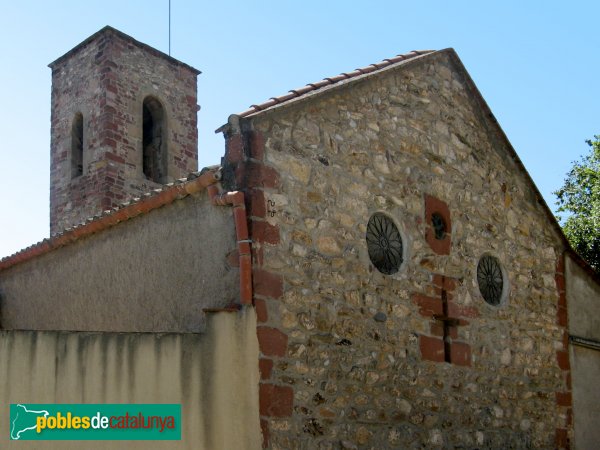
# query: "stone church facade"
{"type": "Point", "coordinates": [407, 283]}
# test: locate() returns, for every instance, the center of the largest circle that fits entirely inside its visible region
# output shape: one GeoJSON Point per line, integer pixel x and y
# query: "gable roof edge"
{"type": "Point", "coordinates": [107, 30]}
{"type": "Point", "coordinates": [490, 115]}
{"type": "Point", "coordinates": [332, 82]}
{"type": "Point", "coordinates": [129, 210]}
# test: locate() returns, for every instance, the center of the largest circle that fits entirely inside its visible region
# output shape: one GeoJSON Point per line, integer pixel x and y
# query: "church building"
{"type": "Point", "coordinates": [370, 265]}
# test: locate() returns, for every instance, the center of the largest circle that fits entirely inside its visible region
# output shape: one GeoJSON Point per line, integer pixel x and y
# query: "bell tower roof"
{"type": "Point", "coordinates": [110, 30]}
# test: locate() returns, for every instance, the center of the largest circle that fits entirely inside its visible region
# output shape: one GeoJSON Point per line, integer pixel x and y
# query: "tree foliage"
{"type": "Point", "coordinates": [580, 199]}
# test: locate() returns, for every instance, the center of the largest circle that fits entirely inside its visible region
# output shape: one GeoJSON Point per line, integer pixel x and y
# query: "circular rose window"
{"type": "Point", "coordinates": [490, 279]}
{"type": "Point", "coordinates": [384, 244]}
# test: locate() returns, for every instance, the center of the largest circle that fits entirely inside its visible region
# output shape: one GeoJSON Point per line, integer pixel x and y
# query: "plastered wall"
{"type": "Point", "coordinates": [155, 272]}
{"type": "Point", "coordinates": [583, 299]}
{"type": "Point", "coordinates": [213, 376]}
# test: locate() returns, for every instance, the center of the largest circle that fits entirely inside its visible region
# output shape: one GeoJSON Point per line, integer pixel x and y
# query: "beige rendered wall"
{"type": "Point", "coordinates": [214, 376]}
{"type": "Point", "coordinates": [356, 342]}
{"type": "Point", "coordinates": [585, 369]}
{"type": "Point", "coordinates": [583, 299]}
{"type": "Point", "coordinates": [155, 272]}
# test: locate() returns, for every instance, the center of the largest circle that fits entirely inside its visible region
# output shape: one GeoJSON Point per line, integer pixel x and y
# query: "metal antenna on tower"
{"type": "Point", "coordinates": [169, 27]}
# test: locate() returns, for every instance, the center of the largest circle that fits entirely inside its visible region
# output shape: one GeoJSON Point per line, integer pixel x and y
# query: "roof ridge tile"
{"type": "Point", "coordinates": [329, 81]}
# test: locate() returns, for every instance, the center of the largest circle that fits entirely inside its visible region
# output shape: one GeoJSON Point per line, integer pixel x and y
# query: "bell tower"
{"type": "Point", "coordinates": [123, 122]}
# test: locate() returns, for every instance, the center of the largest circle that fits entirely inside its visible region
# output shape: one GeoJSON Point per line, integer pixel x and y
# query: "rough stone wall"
{"type": "Point", "coordinates": [212, 375]}
{"type": "Point", "coordinates": [106, 80]}
{"type": "Point", "coordinates": [354, 358]}
{"type": "Point", "coordinates": [152, 273]}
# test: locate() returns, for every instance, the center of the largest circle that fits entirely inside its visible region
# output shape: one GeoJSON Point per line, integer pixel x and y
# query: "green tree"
{"type": "Point", "coordinates": [580, 199]}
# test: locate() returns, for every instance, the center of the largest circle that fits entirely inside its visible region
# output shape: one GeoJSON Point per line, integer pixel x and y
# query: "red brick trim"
{"type": "Point", "coordinates": [562, 438]}
{"type": "Point", "coordinates": [260, 175]}
{"type": "Point", "coordinates": [271, 341]}
{"type": "Point", "coordinates": [267, 284]}
{"type": "Point", "coordinates": [561, 312]}
{"type": "Point", "coordinates": [264, 428]}
{"type": "Point", "coordinates": [257, 145]}
{"type": "Point", "coordinates": [246, 170]}
{"type": "Point", "coordinates": [265, 366]}
{"type": "Point", "coordinates": [444, 282]}
{"type": "Point", "coordinates": [428, 306]}
{"type": "Point", "coordinates": [264, 233]}
{"type": "Point", "coordinates": [564, 398]}
{"type": "Point", "coordinates": [275, 401]}
{"type": "Point", "coordinates": [460, 353]}
{"type": "Point", "coordinates": [234, 151]}
{"type": "Point", "coordinates": [258, 204]}
{"type": "Point", "coordinates": [432, 206]}
{"type": "Point", "coordinates": [562, 358]}
{"type": "Point", "coordinates": [447, 316]}
{"type": "Point", "coordinates": [461, 311]}
{"type": "Point", "coordinates": [261, 310]}
{"type": "Point", "coordinates": [437, 329]}
{"type": "Point", "coordinates": [432, 348]}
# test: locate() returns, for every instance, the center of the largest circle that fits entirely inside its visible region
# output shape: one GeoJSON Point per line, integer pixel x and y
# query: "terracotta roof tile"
{"type": "Point", "coordinates": [156, 198]}
{"type": "Point", "coordinates": [303, 90]}
{"type": "Point", "coordinates": [311, 87]}
{"type": "Point", "coordinates": [285, 97]}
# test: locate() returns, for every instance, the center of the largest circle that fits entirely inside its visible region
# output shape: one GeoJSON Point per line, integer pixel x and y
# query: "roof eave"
{"type": "Point", "coordinates": [108, 29]}
{"type": "Point", "coordinates": [128, 210]}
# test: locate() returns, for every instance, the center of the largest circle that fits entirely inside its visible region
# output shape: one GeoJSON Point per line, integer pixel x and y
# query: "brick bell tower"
{"type": "Point", "coordinates": [123, 122]}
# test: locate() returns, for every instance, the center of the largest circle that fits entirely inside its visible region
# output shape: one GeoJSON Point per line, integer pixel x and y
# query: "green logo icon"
{"type": "Point", "coordinates": [36, 422]}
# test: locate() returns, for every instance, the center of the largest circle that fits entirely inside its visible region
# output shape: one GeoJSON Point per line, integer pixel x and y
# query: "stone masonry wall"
{"type": "Point", "coordinates": [353, 358]}
{"type": "Point", "coordinates": [106, 80]}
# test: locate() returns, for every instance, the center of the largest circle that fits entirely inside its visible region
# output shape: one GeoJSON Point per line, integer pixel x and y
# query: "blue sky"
{"type": "Point", "coordinates": [536, 64]}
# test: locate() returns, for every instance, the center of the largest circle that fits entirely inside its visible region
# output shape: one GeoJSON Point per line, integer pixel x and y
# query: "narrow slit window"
{"type": "Point", "coordinates": [154, 141]}
{"type": "Point", "coordinates": [77, 146]}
